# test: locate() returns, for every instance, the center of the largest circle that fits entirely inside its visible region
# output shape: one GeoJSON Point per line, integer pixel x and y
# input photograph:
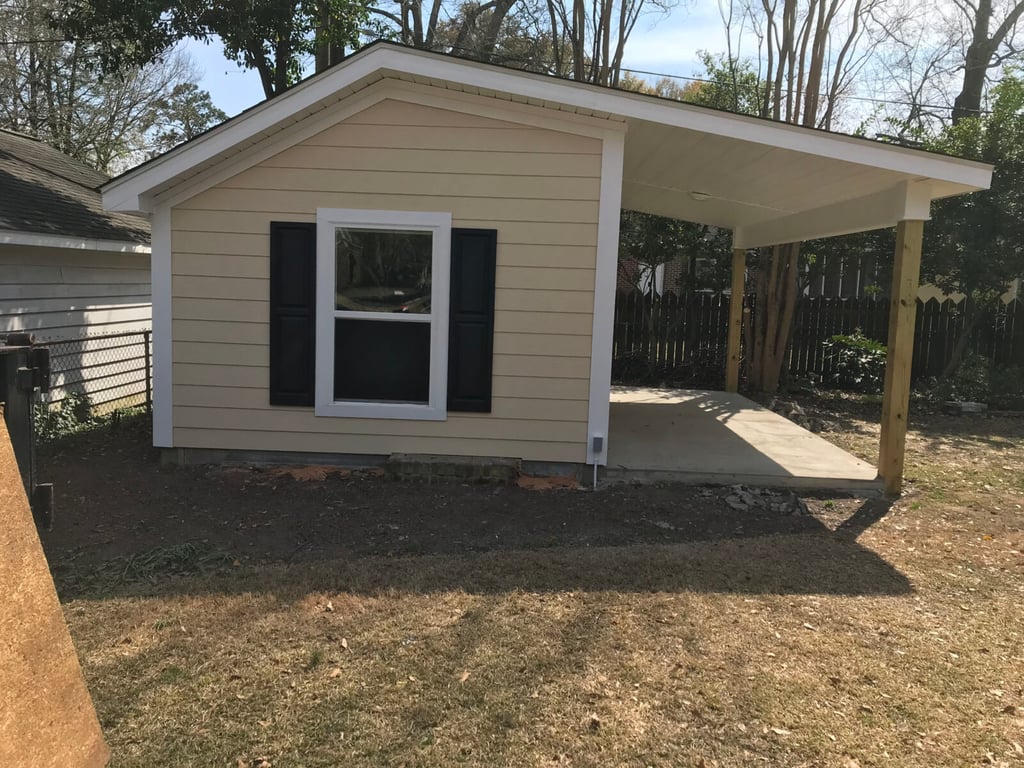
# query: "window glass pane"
{"type": "Point", "coordinates": [380, 270]}
{"type": "Point", "coordinates": [381, 361]}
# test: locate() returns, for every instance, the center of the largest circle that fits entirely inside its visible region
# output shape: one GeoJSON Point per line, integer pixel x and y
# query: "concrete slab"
{"type": "Point", "coordinates": [722, 438]}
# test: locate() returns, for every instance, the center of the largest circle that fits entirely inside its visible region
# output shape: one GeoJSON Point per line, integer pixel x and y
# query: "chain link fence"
{"type": "Point", "coordinates": [95, 375]}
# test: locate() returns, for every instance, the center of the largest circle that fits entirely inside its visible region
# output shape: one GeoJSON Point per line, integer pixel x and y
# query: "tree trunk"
{"type": "Point", "coordinates": [776, 294]}
{"type": "Point", "coordinates": [328, 52]}
{"type": "Point", "coordinates": [976, 63]}
{"type": "Point", "coordinates": [974, 314]}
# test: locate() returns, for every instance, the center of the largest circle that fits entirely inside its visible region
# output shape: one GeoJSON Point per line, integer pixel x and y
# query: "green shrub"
{"type": "Point", "coordinates": [970, 382]}
{"type": "Point", "coordinates": [73, 414]}
{"type": "Point", "coordinates": [858, 363]}
{"type": "Point", "coordinates": [1007, 388]}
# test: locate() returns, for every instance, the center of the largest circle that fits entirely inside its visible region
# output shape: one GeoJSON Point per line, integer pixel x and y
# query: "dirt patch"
{"type": "Point", "coordinates": [115, 500]}
{"type": "Point", "coordinates": [548, 482]}
{"type": "Point", "coordinates": [237, 617]}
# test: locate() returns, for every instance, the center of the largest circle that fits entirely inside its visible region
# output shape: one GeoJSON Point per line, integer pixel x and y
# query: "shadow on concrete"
{"type": "Point", "coordinates": [700, 436]}
{"type": "Point", "coordinates": [662, 433]}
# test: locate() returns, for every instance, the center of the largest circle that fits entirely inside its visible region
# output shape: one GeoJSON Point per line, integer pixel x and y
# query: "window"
{"type": "Point", "coordinates": [382, 313]}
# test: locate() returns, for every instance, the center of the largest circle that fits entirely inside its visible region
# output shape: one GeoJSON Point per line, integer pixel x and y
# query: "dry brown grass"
{"type": "Point", "coordinates": [897, 645]}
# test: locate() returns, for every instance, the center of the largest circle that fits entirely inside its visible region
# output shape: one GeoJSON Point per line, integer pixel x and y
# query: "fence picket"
{"type": "Point", "coordinates": [673, 330]}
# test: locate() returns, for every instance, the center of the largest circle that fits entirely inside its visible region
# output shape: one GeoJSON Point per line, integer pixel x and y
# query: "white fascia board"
{"type": "Point", "coordinates": [71, 243]}
{"type": "Point", "coordinates": [129, 191]}
{"type": "Point", "coordinates": [908, 200]}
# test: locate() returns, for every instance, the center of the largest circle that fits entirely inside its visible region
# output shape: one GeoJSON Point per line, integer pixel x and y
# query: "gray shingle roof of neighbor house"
{"type": "Point", "coordinates": [45, 192]}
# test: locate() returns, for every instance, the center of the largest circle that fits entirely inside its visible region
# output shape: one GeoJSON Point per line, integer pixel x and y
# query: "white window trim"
{"type": "Point", "coordinates": [440, 225]}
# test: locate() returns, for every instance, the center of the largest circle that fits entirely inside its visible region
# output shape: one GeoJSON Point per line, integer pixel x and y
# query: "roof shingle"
{"type": "Point", "coordinates": [43, 191]}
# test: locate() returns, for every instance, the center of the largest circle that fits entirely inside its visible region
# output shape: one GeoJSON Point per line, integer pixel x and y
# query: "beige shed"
{"type": "Point", "coordinates": [415, 253]}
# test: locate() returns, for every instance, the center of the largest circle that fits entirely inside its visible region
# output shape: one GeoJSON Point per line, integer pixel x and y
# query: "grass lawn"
{"type": "Point", "coordinates": [240, 618]}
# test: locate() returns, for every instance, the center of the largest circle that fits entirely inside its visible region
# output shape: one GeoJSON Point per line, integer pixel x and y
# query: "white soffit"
{"type": "Point", "coordinates": [744, 171]}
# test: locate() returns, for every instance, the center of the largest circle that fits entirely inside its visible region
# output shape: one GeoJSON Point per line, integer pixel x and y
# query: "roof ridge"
{"type": "Point", "coordinates": [21, 134]}
{"type": "Point", "coordinates": [57, 174]}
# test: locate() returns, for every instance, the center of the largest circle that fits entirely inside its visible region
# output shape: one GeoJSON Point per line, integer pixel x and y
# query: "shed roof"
{"type": "Point", "coordinates": [765, 180]}
{"type": "Point", "coordinates": [45, 192]}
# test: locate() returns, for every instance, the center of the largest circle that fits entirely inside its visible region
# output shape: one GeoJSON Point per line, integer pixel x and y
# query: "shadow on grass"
{"type": "Point", "coordinates": [130, 527]}
{"type": "Point", "coordinates": [869, 513]}
{"type": "Point", "coordinates": [812, 560]}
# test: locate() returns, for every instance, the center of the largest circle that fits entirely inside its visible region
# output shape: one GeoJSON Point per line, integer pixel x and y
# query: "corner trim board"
{"type": "Point", "coordinates": [160, 275]}
{"type": "Point", "coordinates": [612, 157]}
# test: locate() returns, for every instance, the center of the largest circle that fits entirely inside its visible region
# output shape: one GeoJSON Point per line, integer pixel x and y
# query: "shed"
{"type": "Point", "coordinates": [74, 275]}
{"type": "Point", "coordinates": [416, 253]}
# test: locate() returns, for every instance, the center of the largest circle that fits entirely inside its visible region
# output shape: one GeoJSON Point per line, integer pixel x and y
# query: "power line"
{"type": "Point", "coordinates": [869, 99]}
{"type": "Point", "coordinates": [756, 88]}
{"type": "Point", "coordinates": [525, 59]}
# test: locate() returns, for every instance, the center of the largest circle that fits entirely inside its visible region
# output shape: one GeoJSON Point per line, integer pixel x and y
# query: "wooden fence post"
{"type": "Point", "coordinates": [732, 345]}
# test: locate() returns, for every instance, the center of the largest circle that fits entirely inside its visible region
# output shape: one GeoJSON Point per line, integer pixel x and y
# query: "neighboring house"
{"type": "Point", "coordinates": [71, 270]}
{"type": "Point", "coordinates": [416, 253]}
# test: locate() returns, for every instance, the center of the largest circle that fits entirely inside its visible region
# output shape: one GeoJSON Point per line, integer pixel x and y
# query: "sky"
{"type": "Point", "coordinates": [664, 43]}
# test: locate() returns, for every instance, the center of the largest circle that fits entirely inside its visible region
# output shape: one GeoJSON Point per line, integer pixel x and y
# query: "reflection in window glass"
{"type": "Point", "coordinates": [377, 361]}
{"type": "Point", "coordinates": [380, 270]}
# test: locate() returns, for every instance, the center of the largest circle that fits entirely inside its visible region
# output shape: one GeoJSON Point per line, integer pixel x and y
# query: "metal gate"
{"type": "Point", "coordinates": [24, 374]}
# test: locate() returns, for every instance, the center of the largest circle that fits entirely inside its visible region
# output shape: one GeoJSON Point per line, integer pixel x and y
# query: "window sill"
{"type": "Point", "coordinates": [408, 411]}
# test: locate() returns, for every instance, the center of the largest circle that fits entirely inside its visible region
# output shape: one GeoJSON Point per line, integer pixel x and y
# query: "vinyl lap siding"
{"type": "Point", "coordinates": [538, 188]}
{"type": "Point", "coordinates": [65, 294]}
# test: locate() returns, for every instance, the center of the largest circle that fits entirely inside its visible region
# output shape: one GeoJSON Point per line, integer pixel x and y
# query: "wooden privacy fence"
{"type": "Point", "coordinates": [689, 331]}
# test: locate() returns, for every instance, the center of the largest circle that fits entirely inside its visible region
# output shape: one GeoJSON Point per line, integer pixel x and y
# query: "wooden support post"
{"type": "Point", "coordinates": [732, 359]}
{"type": "Point", "coordinates": [906, 272]}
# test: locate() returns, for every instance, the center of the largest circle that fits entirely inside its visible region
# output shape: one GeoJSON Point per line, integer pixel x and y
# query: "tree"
{"type": "Point", "coordinates": [48, 89]}
{"type": "Point", "coordinates": [809, 57]}
{"type": "Point", "coordinates": [506, 33]}
{"type": "Point", "coordinates": [472, 30]}
{"type": "Point", "coordinates": [975, 243]}
{"type": "Point", "coordinates": [271, 36]}
{"type": "Point", "coordinates": [589, 39]}
{"type": "Point", "coordinates": [809, 54]}
{"type": "Point", "coordinates": [937, 60]}
{"type": "Point", "coordinates": [726, 84]}
{"type": "Point", "coordinates": [182, 115]}
{"type": "Point", "coordinates": [983, 50]}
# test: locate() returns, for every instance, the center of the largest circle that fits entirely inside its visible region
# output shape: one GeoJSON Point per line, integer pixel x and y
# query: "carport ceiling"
{"type": "Point", "coordinates": [730, 182]}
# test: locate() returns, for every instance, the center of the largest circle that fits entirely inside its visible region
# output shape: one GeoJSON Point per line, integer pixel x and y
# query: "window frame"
{"type": "Point", "coordinates": [439, 224]}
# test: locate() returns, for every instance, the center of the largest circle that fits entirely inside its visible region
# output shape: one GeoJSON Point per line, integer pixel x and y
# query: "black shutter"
{"type": "Point", "coordinates": [292, 312]}
{"type": "Point", "coordinates": [471, 319]}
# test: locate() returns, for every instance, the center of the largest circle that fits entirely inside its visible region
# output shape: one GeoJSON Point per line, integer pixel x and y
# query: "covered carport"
{"type": "Point", "coordinates": [773, 183]}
